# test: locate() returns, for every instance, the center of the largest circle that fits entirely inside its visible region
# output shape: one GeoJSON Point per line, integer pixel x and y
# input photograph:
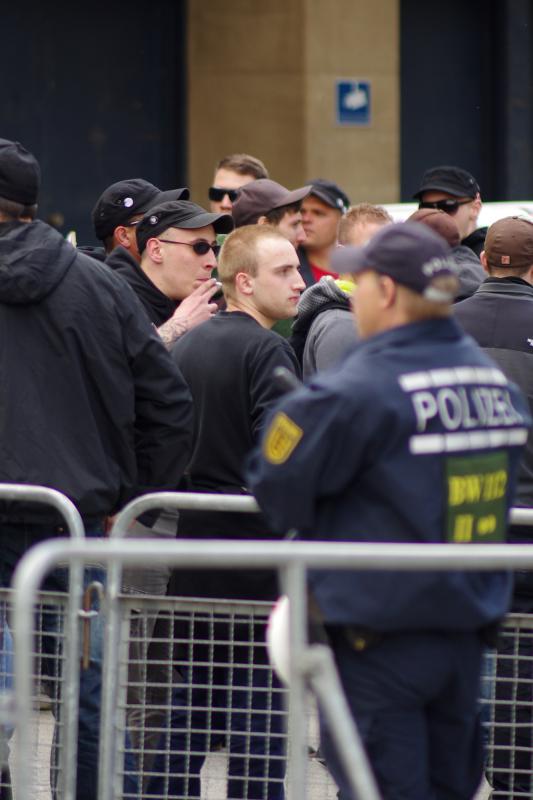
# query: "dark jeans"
{"type": "Point", "coordinates": [414, 698]}
{"type": "Point", "coordinates": [227, 692]}
{"type": "Point", "coordinates": [15, 540]}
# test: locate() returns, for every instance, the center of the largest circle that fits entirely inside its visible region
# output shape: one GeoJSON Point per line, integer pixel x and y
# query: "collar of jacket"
{"type": "Point", "coordinates": [414, 333]}
{"type": "Point", "coordinates": [507, 286]}
{"type": "Point", "coordinates": [158, 306]}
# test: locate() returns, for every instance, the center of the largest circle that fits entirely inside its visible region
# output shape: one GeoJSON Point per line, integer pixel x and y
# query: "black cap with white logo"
{"type": "Point", "coordinates": [179, 214]}
{"type": "Point", "coordinates": [125, 199]}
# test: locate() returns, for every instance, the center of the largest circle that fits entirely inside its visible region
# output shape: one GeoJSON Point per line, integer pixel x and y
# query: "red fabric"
{"type": "Point", "coordinates": [318, 272]}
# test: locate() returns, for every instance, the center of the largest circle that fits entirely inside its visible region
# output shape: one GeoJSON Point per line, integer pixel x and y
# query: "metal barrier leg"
{"type": "Point", "coordinates": [294, 586]}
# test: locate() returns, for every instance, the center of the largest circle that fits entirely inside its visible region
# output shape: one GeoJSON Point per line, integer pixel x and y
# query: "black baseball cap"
{"type": "Point", "coordinates": [20, 174]}
{"type": "Point", "coordinates": [259, 197]}
{"type": "Point", "coordinates": [408, 252]}
{"type": "Point", "coordinates": [330, 194]}
{"type": "Point", "coordinates": [179, 214]}
{"type": "Point", "coordinates": [452, 180]}
{"type": "Point", "coordinates": [124, 199]}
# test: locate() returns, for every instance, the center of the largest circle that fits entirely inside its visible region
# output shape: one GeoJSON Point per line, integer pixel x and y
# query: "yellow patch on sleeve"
{"type": "Point", "coordinates": [281, 439]}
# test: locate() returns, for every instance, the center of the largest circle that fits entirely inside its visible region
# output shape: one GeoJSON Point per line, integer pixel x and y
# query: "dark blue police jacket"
{"type": "Point", "coordinates": [414, 437]}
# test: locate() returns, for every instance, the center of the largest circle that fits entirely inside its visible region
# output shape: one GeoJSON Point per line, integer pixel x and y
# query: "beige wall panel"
{"type": "Point", "coordinates": [246, 90]}
{"type": "Point", "coordinates": [260, 116]}
{"type": "Point", "coordinates": [354, 39]}
{"type": "Point", "coordinates": [364, 161]}
{"type": "Point", "coordinates": [262, 80]}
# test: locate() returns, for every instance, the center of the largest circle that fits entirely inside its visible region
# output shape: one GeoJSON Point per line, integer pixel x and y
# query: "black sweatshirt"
{"type": "Point", "coordinates": [228, 363]}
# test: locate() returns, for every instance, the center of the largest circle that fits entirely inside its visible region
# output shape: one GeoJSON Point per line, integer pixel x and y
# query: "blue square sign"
{"type": "Point", "coordinates": [353, 98]}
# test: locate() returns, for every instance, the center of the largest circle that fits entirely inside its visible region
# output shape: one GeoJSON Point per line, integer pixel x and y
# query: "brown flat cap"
{"type": "Point", "coordinates": [440, 222]}
{"type": "Point", "coordinates": [509, 243]}
{"type": "Point", "coordinates": [259, 197]}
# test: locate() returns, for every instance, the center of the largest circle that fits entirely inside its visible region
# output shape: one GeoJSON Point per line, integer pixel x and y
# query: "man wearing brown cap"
{"type": "Point", "coordinates": [456, 192]}
{"type": "Point", "coordinates": [470, 272]}
{"type": "Point", "coordinates": [500, 318]}
{"type": "Point", "coordinates": [265, 202]}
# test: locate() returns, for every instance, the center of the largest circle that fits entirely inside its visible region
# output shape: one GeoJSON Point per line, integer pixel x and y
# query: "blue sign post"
{"type": "Point", "coordinates": [353, 102]}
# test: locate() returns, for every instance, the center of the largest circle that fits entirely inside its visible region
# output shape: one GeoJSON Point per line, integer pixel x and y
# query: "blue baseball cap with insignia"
{"type": "Point", "coordinates": [408, 252]}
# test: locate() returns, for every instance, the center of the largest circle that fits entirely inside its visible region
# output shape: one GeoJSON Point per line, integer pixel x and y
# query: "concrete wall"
{"type": "Point", "coordinates": [261, 80]}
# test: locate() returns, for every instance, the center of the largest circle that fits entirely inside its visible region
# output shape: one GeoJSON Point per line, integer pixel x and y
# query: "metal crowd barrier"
{"type": "Point", "coordinates": [54, 627]}
{"type": "Point", "coordinates": [310, 666]}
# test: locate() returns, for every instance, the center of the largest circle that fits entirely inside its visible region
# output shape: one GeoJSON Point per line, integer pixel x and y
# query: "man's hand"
{"type": "Point", "coordinates": [196, 308]}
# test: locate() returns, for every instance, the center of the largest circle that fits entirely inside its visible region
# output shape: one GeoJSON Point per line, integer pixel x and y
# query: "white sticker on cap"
{"type": "Point", "coordinates": [153, 220]}
{"type": "Point", "coordinates": [128, 202]}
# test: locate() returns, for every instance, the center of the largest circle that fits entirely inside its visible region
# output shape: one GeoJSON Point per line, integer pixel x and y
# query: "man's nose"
{"type": "Point", "coordinates": [299, 282]}
{"type": "Point", "coordinates": [210, 260]}
{"type": "Point", "coordinates": [225, 203]}
{"type": "Point", "coordinates": [301, 236]}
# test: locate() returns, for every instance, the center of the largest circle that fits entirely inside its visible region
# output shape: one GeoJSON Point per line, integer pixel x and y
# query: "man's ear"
{"type": "Point", "coordinates": [262, 221]}
{"type": "Point", "coordinates": [154, 250]}
{"type": "Point", "coordinates": [484, 262]}
{"type": "Point", "coordinates": [475, 208]}
{"type": "Point", "coordinates": [244, 283]}
{"type": "Point", "coordinates": [121, 236]}
{"type": "Point", "coordinates": [389, 291]}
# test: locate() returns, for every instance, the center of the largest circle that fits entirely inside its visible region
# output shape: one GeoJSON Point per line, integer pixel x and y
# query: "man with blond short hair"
{"type": "Point", "coordinates": [361, 222]}
{"type": "Point", "coordinates": [229, 363]}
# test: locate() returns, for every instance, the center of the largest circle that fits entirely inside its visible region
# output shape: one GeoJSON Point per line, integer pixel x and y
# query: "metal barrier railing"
{"type": "Point", "coordinates": [292, 559]}
{"type": "Point", "coordinates": [74, 525]}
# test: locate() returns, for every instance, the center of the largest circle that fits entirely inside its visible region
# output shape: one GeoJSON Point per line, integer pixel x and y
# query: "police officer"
{"type": "Point", "coordinates": [415, 437]}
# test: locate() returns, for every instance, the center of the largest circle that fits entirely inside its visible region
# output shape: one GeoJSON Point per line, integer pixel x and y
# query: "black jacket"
{"type": "Point", "coordinates": [158, 306]}
{"type": "Point", "coordinates": [476, 240]}
{"type": "Point", "coordinates": [90, 401]}
{"type": "Point", "coordinates": [499, 316]}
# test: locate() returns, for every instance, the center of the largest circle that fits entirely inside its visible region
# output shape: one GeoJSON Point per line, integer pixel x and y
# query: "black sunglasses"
{"type": "Point", "coordinates": [216, 194]}
{"type": "Point", "coordinates": [448, 205]}
{"type": "Point", "coordinates": [200, 248]}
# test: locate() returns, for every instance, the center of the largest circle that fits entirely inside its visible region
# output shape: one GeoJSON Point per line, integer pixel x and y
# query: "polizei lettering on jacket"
{"type": "Point", "coordinates": [453, 412]}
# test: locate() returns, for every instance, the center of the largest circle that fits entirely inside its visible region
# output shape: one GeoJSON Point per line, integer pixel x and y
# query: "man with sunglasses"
{"type": "Point", "coordinates": [456, 192]}
{"type": "Point", "coordinates": [176, 241]}
{"type": "Point", "coordinates": [177, 247]}
{"type": "Point", "coordinates": [231, 173]}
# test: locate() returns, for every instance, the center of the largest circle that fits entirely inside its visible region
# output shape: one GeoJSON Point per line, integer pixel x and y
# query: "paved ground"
{"type": "Point", "coordinates": [213, 776]}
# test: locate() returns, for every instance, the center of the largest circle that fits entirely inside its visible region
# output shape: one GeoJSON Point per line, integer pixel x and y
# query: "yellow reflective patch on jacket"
{"type": "Point", "coordinates": [281, 439]}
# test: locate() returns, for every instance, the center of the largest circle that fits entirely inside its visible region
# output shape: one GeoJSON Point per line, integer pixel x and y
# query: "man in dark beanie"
{"type": "Point", "coordinates": [94, 407]}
